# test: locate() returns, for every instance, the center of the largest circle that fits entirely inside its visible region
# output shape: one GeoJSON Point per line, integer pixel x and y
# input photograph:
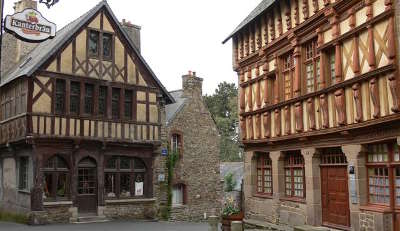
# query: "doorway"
{"type": "Point", "coordinates": [87, 186]}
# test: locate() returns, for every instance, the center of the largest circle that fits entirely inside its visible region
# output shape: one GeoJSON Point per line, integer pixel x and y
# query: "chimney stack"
{"type": "Point", "coordinates": [192, 85]}
{"type": "Point", "coordinates": [133, 32]}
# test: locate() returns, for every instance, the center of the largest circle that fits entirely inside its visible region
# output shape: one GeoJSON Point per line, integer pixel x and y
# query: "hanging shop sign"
{"type": "Point", "coordinates": [29, 25]}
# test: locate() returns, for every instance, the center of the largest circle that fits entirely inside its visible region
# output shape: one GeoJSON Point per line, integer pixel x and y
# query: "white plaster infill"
{"type": "Point", "coordinates": [130, 200]}
{"type": "Point", "coordinates": [56, 203]}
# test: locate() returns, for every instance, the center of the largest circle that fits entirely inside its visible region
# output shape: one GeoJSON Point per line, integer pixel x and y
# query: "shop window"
{"type": "Point", "coordinates": [124, 177]}
{"type": "Point", "coordinates": [294, 175]}
{"type": "Point", "coordinates": [379, 159]}
{"type": "Point", "coordinates": [56, 179]}
{"type": "Point", "coordinates": [128, 104]}
{"type": "Point", "coordinates": [89, 93]}
{"type": "Point", "coordinates": [178, 195]}
{"type": "Point", "coordinates": [102, 101]}
{"type": "Point", "coordinates": [23, 173]}
{"type": "Point", "coordinates": [311, 64]}
{"type": "Point", "coordinates": [75, 98]}
{"type": "Point", "coordinates": [264, 174]}
{"type": "Point", "coordinates": [60, 96]}
{"type": "Point", "coordinates": [176, 144]}
{"type": "Point", "coordinates": [115, 103]}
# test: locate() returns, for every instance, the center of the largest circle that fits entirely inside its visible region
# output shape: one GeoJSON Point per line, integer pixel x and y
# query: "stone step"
{"type": "Point", "coordinates": [91, 219]}
{"type": "Point", "coordinates": [255, 225]}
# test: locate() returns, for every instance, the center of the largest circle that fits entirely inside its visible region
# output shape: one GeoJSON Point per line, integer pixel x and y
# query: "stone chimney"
{"type": "Point", "coordinates": [133, 32]}
{"type": "Point", "coordinates": [192, 85]}
{"type": "Point", "coordinates": [14, 46]}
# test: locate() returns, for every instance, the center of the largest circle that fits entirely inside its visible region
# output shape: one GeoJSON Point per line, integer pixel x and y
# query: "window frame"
{"type": "Point", "coordinates": [60, 94]}
{"type": "Point", "coordinates": [104, 57]}
{"type": "Point", "coordinates": [330, 71]}
{"type": "Point", "coordinates": [128, 103]}
{"type": "Point", "coordinates": [97, 54]}
{"type": "Point", "coordinates": [89, 98]}
{"type": "Point", "coordinates": [290, 164]}
{"type": "Point", "coordinates": [179, 143]}
{"type": "Point", "coordinates": [116, 102]}
{"type": "Point", "coordinates": [133, 172]}
{"type": "Point", "coordinates": [183, 190]}
{"type": "Point", "coordinates": [312, 59]}
{"type": "Point", "coordinates": [261, 157]}
{"type": "Point", "coordinates": [288, 69]}
{"type": "Point", "coordinates": [23, 176]}
{"type": "Point", "coordinates": [78, 96]}
{"type": "Point", "coordinates": [100, 44]}
{"type": "Point", "coordinates": [55, 173]}
{"type": "Point", "coordinates": [100, 99]}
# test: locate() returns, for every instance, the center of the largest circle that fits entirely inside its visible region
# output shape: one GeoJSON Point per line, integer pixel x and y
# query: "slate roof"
{"type": "Point", "coordinates": [263, 6]}
{"type": "Point", "coordinates": [38, 56]}
{"type": "Point", "coordinates": [236, 168]}
{"type": "Point", "coordinates": [173, 109]}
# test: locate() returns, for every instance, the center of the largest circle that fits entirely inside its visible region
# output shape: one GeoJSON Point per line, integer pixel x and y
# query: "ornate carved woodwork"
{"type": "Point", "coordinates": [267, 124]}
{"type": "Point", "coordinates": [280, 23]}
{"type": "Point", "coordinates": [296, 13]}
{"type": "Point", "coordinates": [315, 6]}
{"type": "Point", "coordinates": [258, 94]}
{"type": "Point", "coordinates": [298, 110]}
{"type": "Point", "coordinates": [258, 126]}
{"type": "Point", "coordinates": [250, 97]}
{"type": "Point", "coordinates": [249, 73]}
{"type": "Point", "coordinates": [246, 43]}
{"type": "Point", "coordinates": [357, 102]}
{"type": "Point", "coordinates": [277, 116]}
{"type": "Point", "coordinates": [287, 120]}
{"type": "Point", "coordinates": [373, 86]}
{"type": "Point", "coordinates": [297, 66]}
{"type": "Point", "coordinates": [243, 127]}
{"type": "Point", "coordinates": [241, 76]}
{"type": "Point", "coordinates": [325, 110]}
{"type": "Point", "coordinates": [311, 113]}
{"type": "Point", "coordinates": [241, 42]}
{"type": "Point", "coordinates": [288, 15]}
{"type": "Point", "coordinates": [252, 39]}
{"type": "Point", "coordinates": [265, 20]}
{"type": "Point", "coordinates": [259, 35]}
{"type": "Point", "coordinates": [250, 127]}
{"type": "Point", "coordinates": [242, 99]}
{"type": "Point", "coordinates": [340, 106]}
{"type": "Point", "coordinates": [271, 27]}
{"type": "Point", "coordinates": [393, 84]}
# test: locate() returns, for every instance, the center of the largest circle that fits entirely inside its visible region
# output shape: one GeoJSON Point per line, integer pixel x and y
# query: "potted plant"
{"type": "Point", "coordinates": [231, 212]}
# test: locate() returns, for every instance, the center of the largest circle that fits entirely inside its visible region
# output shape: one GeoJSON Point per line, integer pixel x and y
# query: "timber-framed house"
{"type": "Point", "coordinates": [81, 124]}
{"type": "Point", "coordinates": [319, 112]}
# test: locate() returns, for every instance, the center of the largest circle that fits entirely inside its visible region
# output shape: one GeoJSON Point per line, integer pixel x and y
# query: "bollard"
{"type": "Point", "coordinates": [213, 222]}
{"type": "Point", "coordinates": [236, 226]}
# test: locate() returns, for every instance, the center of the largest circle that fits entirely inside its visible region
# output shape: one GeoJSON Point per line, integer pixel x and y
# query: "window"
{"type": "Point", "coordinates": [89, 92]}
{"type": "Point", "coordinates": [93, 43]}
{"type": "Point", "coordinates": [107, 46]}
{"type": "Point", "coordinates": [331, 67]}
{"type": "Point", "coordinates": [128, 104]}
{"type": "Point", "coordinates": [288, 70]}
{"type": "Point", "coordinates": [311, 64]}
{"type": "Point", "coordinates": [124, 177]}
{"type": "Point", "coordinates": [56, 179]}
{"type": "Point", "coordinates": [23, 173]}
{"type": "Point", "coordinates": [103, 100]}
{"type": "Point", "coordinates": [294, 175]}
{"type": "Point", "coordinates": [264, 174]}
{"type": "Point", "coordinates": [75, 98]}
{"type": "Point", "coordinates": [178, 195]}
{"type": "Point", "coordinates": [115, 103]}
{"type": "Point", "coordinates": [379, 157]}
{"type": "Point", "coordinates": [60, 96]}
{"type": "Point", "coordinates": [176, 144]}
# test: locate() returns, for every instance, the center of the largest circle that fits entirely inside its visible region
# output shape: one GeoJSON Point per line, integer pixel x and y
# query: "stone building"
{"type": "Point", "coordinates": [82, 120]}
{"type": "Point", "coordinates": [319, 113]}
{"type": "Point", "coordinates": [194, 137]}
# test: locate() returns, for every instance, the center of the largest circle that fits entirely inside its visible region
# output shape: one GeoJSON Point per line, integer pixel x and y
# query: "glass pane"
{"type": "Point", "coordinates": [62, 185]}
{"type": "Point", "coordinates": [93, 43]}
{"type": "Point", "coordinates": [109, 184]}
{"type": "Point", "coordinates": [47, 185]}
{"type": "Point", "coordinates": [125, 163]}
{"type": "Point", "coordinates": [115, 102]}
{"type": "Point", "coordinates": [89, 91]}
{"type": "Point", "coordinates": [51, 163]}
{"type": "Point", "coordinates": [128, 104]}
{"type": "Point", "coordinates": [23, 173]}
{"type": "Point", "coordinates": [61, 164]}
{"type": "Point", "coordinates": [102, 100]}
{"type": "Point", "coordinates": [60, 96]}
{"type": "Point", "coordinates": [125, 185]}
{"type": "Point", "coordinates": [139, 164]}
{"type": "Point", "coordinates": [107, 47]}
{"type": "Point", "coordinates": [139, 184]}
{"type": "Point", "coordinates": [111, 163]}
{"type": "Point", "coordinates": [75, 97]}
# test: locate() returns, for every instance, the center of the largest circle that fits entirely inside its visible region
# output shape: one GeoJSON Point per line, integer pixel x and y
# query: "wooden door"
{"type": "Point", "coordinates": [335, 196]}
{"type": "Point", "coordinates": [87, 186]}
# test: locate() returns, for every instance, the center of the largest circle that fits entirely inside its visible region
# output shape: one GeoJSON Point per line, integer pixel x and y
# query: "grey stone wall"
{"type": "Point", "coordinates": [140, 210]}
{"type": "Point", "coordinates": [198, 166]}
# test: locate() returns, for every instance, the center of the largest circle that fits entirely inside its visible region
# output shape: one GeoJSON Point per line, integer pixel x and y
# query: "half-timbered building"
{"type": "Point", "coordinates": [319, 112]}
{"type": "Point", "coordinates": [81, 122]}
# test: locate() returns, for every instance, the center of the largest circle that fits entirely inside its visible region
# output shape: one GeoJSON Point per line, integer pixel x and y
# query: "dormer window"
{"type": "Point", "coordinates": [94, 45]}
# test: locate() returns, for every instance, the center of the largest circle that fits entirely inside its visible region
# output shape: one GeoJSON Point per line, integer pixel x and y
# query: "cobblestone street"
{"type": "Point", "coordinates": [110, 226]}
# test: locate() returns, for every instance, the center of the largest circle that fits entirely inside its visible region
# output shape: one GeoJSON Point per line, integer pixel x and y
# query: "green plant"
{"type": "Point", "coordinates": [170, 164]}
{"type": "Point", "coordinates": [13, 217]}
{"type": "Point", "coordinates": [230, 207]}
{"type": "Point", "coordinates": [230, 182]}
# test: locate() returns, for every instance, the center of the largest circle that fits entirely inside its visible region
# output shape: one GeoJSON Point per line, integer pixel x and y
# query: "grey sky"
{"type": "Point", "coordinates": [177, 35]}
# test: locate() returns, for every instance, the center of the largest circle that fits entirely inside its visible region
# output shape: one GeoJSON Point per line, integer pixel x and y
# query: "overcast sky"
{"type": "Point", "coordinates": [176, 35]}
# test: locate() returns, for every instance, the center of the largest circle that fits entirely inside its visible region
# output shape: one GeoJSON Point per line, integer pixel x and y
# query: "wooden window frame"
{"type": "Point", "coordinates": [390, 165]}
{"type": "Point", "coordinates": [104, 113]}
{"type": "Point", "coordinates": [100, 45]}
{"type": "Point", "coordinates": [88, 98]}
{"type": "Point", "coordinates": [179, 143]}
{"type": "Point", "coordinates": [132, 172]}
{"type": "Point", "coordinates": [311, 58]}
{"type": "Point", "coordinates": [55, 173]}
{"type": "Point", "coordinates": [128, 103]}
{"type": "Point", "coordinates": [23, 174]}
{"type": "Point", "coordinates": [183, 187]}
{"type": "Point", "coordinates": [107, 58]}
{"type": "Point", "coordinates": [294, 161]}
{"type": "Point", "coordinates": [288, 69]}
{"type": "Point", "coordinates": [261, 166]}
{"type": "Point", "coordinates": [330, 71]}
{"type": "Point", "coordinates": [117, 103]}
{"type": "Point", "coordinates": [63, 96]}
{"type": "Point", "coordinates": [90, 54]}
{"type": "Point", "coordinates": [75, 95]}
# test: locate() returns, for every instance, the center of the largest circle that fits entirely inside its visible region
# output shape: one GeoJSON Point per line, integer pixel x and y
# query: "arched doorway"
{"type": "Point", "coordinates": [87, 186]}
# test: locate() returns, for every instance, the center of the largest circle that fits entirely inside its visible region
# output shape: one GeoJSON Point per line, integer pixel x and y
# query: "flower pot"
{"type": "Point", "coordinates": [226, 220]}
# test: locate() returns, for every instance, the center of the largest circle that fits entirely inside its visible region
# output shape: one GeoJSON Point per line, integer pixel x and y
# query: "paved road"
{"type": "Point", "coordinates": [109, 226]}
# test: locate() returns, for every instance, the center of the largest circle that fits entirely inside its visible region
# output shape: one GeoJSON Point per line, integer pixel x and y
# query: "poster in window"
{"type": "Point", "coordinates": [138, 188]}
